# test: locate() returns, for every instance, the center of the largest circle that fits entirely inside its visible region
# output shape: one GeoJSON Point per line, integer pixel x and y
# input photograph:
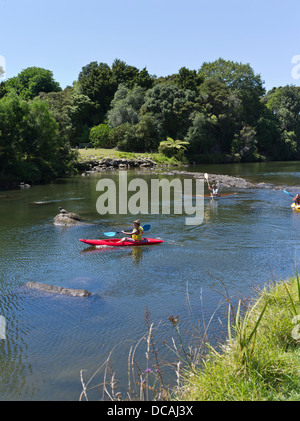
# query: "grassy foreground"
{"type": "Point", "coordinates": [260, 360]}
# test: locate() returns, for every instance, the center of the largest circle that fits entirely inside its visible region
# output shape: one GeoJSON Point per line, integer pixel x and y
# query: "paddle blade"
{"type": "Point", "coordinates": [206, 176]}
{"type": "Point", "coordinates": [110, 234]}
{"type": "Point", "coordinates": [146, 227]}
{"type": "Point", "coordinates": [288, 193]}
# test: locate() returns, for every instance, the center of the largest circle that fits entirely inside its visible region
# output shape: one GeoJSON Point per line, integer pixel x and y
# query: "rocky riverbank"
{"type": "Point", "coordinates": [107, 163]}
{"type": "Point", "coordinates": [228, 181]}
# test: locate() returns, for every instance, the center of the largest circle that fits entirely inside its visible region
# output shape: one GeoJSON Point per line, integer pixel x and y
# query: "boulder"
{"type": "Point", "coordinates": [66, 218]}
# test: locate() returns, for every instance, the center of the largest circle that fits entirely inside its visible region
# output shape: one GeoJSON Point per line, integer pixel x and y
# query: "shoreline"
{"type": "Point", "coordinates": [260, 359]}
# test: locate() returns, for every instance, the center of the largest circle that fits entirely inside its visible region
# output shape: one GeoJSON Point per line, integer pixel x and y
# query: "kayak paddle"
{"type": "Point", "coordinates": [288, 193]}
{"type": "Point", "coordinates": [112, 234]}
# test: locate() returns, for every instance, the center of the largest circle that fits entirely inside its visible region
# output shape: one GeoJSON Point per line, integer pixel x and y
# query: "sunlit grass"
{"type": "Point", "coordinates": [261, 358]}
{"type": "Point", "coordinates": [89, 154]}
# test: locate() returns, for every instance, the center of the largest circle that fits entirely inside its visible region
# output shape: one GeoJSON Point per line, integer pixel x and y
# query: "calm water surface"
{"type": "Point", "coordinates": [244, 241]}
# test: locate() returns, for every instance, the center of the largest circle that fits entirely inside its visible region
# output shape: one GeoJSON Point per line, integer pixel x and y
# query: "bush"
{"type": "Point", "coordinates": [99, 136]}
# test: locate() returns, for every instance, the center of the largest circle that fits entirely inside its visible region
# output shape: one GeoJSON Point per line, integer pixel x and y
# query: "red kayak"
{"type": "Point", "coordinates": [116, 242]}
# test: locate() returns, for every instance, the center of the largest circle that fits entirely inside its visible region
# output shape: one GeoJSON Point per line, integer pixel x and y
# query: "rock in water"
{"type": "Point", "coordinates": [58, 290]}
{"type": "Point", "coordinates": [66, 218]}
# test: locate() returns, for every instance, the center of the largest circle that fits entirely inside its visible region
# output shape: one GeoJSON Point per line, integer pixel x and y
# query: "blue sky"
{"type": "Point", "coordinates": [161, 35]}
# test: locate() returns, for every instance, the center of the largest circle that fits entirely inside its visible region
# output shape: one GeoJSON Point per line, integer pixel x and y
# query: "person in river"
{"type": "Point", "coordinates": [297, 200]}
{"type": "Point", "coordinates": [136, 234]}
{"type": "Point", "coordinates": [214, 190]}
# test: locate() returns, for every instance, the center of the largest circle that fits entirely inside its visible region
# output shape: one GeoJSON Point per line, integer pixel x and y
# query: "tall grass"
{"type": "Point", "coordinates": [259, 360]}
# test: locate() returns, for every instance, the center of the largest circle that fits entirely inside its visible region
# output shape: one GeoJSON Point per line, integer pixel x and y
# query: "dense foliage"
{"type": "Point", "coordinates": [219, 113]}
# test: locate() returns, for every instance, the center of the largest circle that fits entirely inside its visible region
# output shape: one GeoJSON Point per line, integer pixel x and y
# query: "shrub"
{"type": "Point", "coordinates": [99, 136]}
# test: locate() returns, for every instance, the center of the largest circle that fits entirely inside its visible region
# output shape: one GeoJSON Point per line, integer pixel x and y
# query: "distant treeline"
{"type": "Point", "coordinates": [219, 113]}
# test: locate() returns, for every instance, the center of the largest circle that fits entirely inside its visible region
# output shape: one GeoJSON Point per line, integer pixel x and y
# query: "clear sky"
{"type": "Point", "coordinates": [161, 35]}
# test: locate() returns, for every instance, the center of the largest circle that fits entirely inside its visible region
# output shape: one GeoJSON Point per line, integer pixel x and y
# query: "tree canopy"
{"type": "Point", "coordinates": [218, 113]}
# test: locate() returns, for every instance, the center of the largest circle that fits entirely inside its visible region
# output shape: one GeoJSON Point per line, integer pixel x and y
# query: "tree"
{"type": "Point", "coordinates": [245, 143]}
{"type": "Point", "coordinates": [126, 105]}
{"type": "Point", "coordinates": [80, 113]}
{"type": "Point", "coordinates": [242, 81]}
{"type": "Point", "coordinates": [131, 75]}
{"type": "Point", "coordinates": [188, 79]}
{"type": "Point", "coordinates": [99, 136]}
{"type": "Point", "coordinates": [284, 105]}
{"type": "Point", "coordinates": [200, 135]}
{"type": "Point", "coordinates": [214, 126]}
{"type": "Point", "coordinates": [170, 107]}
{"type": "Point", "coordinates": [31, 81]}
{"type": "Point", "coordinates": [60, 104]}
{"type": "Point", "coordinates": [30, 148]}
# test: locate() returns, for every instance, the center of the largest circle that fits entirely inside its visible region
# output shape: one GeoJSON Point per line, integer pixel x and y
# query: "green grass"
{"type": "Point", "coordinates": [260, 360]}
{"type": "Point", "coordinates": [89, 154]}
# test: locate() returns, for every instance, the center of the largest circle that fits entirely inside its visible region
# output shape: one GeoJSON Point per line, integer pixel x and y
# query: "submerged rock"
{"type": "Point", "coordinates": [58, 290]}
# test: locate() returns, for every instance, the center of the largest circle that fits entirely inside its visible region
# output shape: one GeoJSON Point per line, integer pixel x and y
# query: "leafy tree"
{"type": "Point", "coordinates": [130, 75]}
{"type": "Point", "coordinates": [284, 106]}
{"type": "Point", "coordinates": [30, 148]}
{"type": "Point", "coordinates": [12, 113]}
{"type": "Point", "coordinates": [188, 79]}
{"type": "Point", "coordinates": [126, 105]}
{"type": "Point", "coordinates": [213, 128]}
{"type": "Point", "coordinates": [99, 83]}
{"type": "Point", "coordinates": [99, 136]}
{"type": "Point", "coordinates": [117, 135]}
{"type": "Point", "coordinates": [96, 83]}
{"type": "Point", "coordinates": [170, 107]}
{"type": "Point", "coordinates": [147, 134]}
{"type": "Point", "coordinates": [60, 104]}
{"type": "Point", "coordinates": [31, 81]}
{"type": "Point", "coordinates": [245, 143]}
{"type": "Point", "coordinates": [269, 141]}
{"type": "Point", "coordinates": [242, 81]}
{"type": "Point", "coordinates": [200, 135]}
{"type": "Point", "coordinates": [80, 114]}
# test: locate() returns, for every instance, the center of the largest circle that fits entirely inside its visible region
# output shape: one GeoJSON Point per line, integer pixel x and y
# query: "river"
{"type": "Point", "coordinates": [244, 241]}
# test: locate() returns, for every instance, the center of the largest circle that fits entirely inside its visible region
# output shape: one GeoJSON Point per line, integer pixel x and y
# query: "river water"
{"type": "Point", "coordinates": [244, 241]}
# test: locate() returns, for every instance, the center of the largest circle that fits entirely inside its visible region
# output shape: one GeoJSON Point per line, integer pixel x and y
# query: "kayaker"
{"type": "Point", "coordinates": [214, 190]}
{"type": "Point", "coordinates": [297, 200]}
{"type": "Point", "coordinates": [136, 234]}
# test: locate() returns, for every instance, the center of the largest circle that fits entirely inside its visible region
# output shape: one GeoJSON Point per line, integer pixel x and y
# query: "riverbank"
{"type": "Point", "coordinates": [101, 159]}
{"type": "Point", "coordinates": [260, 361]}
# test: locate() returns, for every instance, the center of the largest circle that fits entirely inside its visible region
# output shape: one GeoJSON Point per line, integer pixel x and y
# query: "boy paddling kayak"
{"type": "Point", "coordinates": [135, 235]}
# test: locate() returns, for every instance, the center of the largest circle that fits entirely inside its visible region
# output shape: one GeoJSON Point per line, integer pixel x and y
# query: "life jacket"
{"type": "Point", "coordinates": [138, 237]}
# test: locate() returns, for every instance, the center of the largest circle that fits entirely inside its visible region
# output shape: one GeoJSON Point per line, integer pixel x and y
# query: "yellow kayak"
{"type": "Point", "coordinates": [295, 207]}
